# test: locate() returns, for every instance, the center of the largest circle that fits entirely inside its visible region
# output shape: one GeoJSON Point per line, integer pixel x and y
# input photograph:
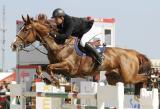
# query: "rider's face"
{"type": "Point", "coordinates": [59, 20]}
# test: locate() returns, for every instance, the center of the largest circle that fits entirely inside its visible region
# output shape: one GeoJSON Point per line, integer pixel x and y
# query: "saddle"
{"type": "Point", "coordinates": [81, 50]}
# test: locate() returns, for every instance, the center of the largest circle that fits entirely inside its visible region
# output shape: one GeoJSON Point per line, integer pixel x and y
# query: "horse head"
{"type": "Point", "coordinates": [31, 31]}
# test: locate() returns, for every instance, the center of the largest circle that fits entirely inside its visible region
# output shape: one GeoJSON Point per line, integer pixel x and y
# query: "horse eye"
{"type": "Point", "coordinates": [26, 29]}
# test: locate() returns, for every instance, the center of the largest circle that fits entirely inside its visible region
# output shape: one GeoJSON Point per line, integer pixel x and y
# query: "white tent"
{"type": "Point", "coordinates": [7, 76]}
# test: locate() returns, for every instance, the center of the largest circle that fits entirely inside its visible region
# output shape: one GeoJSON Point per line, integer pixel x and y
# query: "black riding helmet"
{"type": "Point", "coordinates": [58, 12]}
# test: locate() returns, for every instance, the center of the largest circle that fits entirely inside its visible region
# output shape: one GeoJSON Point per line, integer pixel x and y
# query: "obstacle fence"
{"type": "Point", "coordinates": [5, 93]}
{"type": "Point", "coordinates": [105, 95]}
{"type": "Point", "coordinates": [100, 96]}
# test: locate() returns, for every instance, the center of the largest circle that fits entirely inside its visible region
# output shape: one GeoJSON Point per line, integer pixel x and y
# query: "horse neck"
{"type": "Point", "coordinates": [49, 43]}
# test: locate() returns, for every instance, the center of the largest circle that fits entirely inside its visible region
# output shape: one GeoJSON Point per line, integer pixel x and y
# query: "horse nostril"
{"type": "Point", "coordinates": [14, 47]}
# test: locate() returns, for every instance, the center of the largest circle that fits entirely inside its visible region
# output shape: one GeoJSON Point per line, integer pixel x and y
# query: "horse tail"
{"type": "Point", "coordinates": [144, 64]}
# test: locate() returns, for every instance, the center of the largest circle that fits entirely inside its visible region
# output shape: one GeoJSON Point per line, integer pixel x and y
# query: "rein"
{"type": "Point", "coordinates": [42, 42]}
{"type": "Point", "coordinates": [35, 48]}
{"type": "Point", "coordinates": [61, 48]}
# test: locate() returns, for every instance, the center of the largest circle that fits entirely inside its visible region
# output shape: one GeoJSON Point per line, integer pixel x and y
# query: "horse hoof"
{"type": "Point", "coordinates": [57, 85]}
{"type": "Point", "coordinates": [49, 67]}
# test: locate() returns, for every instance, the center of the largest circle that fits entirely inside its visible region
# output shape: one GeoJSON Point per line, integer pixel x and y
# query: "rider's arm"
{"type": "Point", "coordinates": [69, 25]}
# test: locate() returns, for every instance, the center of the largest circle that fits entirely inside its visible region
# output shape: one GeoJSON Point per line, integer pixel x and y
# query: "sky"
{"type": "Point", "coordinates": [137, 21]}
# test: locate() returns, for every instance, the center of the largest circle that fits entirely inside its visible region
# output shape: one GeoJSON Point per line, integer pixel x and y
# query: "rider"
{"type": "Point", "coordinates": [78, 27]}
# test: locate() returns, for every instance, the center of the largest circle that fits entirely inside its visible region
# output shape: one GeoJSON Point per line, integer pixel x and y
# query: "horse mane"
{"type": "Point", "coordinates": [41, 17]}
{"type": "Point", "coordinates": [50, 24]}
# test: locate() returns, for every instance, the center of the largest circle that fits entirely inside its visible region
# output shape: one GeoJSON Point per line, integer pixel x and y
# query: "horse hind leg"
{"type": "Point", "coordinates": [140, 81]}
{"type": "Point", "coordinates": [138, 86]}
{"type": "Point", "coordinates": [139, 78]}
{"type": "Point", "coordinates": [130, 74]}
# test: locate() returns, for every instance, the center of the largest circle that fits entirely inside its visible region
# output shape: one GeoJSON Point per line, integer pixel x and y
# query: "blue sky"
{"type": "Point", "coordinates": [137, 21]}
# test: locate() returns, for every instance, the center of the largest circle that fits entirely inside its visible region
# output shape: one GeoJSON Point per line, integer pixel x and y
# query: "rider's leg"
{"type": "Point", "coordinates": [93, 51]}
{"type": "Point", "coordinates": [94, 31]}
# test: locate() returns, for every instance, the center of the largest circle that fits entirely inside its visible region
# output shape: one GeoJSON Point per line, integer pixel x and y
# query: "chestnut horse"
{"type": "Point", "coordinates": [132, 66]}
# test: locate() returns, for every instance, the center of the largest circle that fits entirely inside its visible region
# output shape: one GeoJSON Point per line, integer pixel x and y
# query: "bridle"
{"type": "Point", "coordinates": [40, 38]}
{"type": "Point", "coordinates": [30, 44]}
{"type": "Point", "coordinates": [23, 39]}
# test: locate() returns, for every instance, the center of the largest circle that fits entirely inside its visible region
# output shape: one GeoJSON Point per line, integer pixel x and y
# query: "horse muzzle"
{"type": "Point", "coordinates": [16, 47]}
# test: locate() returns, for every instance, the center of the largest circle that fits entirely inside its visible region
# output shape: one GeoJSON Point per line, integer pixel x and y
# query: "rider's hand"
{"type": "Point", "coordinates": [51, 33]}
{"type": "Point", "coordinates": [60, 37]}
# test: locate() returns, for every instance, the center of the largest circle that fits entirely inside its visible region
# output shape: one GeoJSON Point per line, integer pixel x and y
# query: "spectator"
{"type": "Point", "coordinates": [0, 86]}
{"type": "Point", "coordinates": [154, 78]}
{"type": "Point", "coordinates": [4, 88]}
{"type": "Point", "coordinates": [158, 74]}
{"type": "Point", "coordinates": [4, 99]}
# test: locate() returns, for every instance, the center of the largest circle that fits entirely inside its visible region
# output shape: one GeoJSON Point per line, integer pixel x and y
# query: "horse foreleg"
{"type": "Point", "coordinates": [55, 80]}
{"type": "Point", "coordinates": [39, 72]}
{"type": "Point", "coordinates": [58, 66]}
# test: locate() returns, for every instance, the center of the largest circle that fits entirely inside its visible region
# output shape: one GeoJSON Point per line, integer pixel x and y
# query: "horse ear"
{"type": "Point", "coordinates": [28, 19]}
{"type": "Point", "coordinates": [24, 19]}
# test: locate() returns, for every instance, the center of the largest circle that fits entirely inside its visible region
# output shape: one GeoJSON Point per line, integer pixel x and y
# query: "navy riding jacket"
{"type": "Point", "coordinates": [73, 26]}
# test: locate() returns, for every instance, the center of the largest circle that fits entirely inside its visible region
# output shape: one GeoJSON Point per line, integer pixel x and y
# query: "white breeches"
{"type": "Point", "coordinates": [93, 32]}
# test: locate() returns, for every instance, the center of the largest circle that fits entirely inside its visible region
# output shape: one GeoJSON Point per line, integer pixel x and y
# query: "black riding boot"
{"type": "Point", "coordinates": [93, 52]}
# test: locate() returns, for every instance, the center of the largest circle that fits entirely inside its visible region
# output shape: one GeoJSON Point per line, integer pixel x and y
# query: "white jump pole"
{"type": "Point", "coordinates": [111, 94]}
{"type": "Point", "coordinates": [149, 99]}
{"type": "Point", "coordinates": [16, 92]}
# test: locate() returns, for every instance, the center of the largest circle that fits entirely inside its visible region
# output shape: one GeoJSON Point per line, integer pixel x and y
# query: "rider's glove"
{"type": "Point", "coordinates": [60, 37]}
{"type": "Point", "coordinates": [52, 34]}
